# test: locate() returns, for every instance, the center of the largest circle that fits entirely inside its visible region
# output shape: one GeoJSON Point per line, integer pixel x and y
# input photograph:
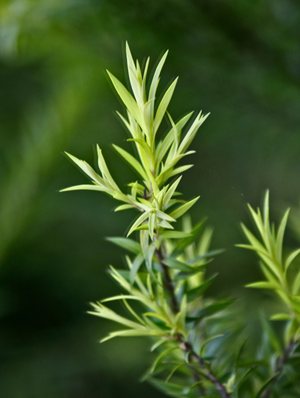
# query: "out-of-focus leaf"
{"type": "Point", "coordinates": [263, 285]}
{"type": "Point", "coordinates": [174, 234]}
{"type": "Point", "coordinates": [267, 383]}
{"type": "Point", "coordinates": [207, 341]}
{"type": "Point", "coordinates": [281, 317]}
{"type": "Point", "coordinates": [184, 243]}
{"type": "Point", "coordinates": [126, 243]}
{"type": "Point", "coordinates": [176, 264]}
{"type": "Point", "coordinates": [132, 161]}
{"type": "Point", "coordinates": [290, 259]}
{"type": "Point", "coordinates": [213, 308]}
{"type": "Point", "coordinates": [198, 291]}
{"type": "Point", "coordinates": [272, 337]}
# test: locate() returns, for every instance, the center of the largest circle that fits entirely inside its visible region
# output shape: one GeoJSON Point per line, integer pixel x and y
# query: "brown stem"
{"type": "Point", "coordinates": [168, 281]}
{"type": "Point", "coordinates": [187, 346]}
{"type": "Point", "coordinates": [279, 365]}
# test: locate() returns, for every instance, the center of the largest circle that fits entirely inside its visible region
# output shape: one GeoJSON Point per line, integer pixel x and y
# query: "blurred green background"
{"type": "Point", "coordinates": [239, 60]}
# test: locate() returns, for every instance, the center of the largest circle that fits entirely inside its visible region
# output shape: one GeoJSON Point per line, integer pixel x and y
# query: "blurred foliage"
{"type": "Point", "coordinates": [238, 60]}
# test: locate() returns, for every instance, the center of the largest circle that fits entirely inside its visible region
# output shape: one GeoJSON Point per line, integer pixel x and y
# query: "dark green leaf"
{"type": "Point", "coordinates": [205, 255]}
{"type": "Point", "coordinates": [176, 264]}
{"type": "Point", "coordinates": [184, 243]}
{"type": "Point", "coordinates": [213, 308]}
{"type": "Point", "coordinates": [198, 291]}
{"type": "Point", "coordinates": [267, 383]}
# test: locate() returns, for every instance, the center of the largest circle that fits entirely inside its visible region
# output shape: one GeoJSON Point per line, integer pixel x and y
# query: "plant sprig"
{"type": "Point", "coordinates": [200, 348]}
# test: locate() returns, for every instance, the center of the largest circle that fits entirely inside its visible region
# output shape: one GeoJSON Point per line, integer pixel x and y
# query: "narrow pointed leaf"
{"type": "Point", "coordinates": [126, 243]}
{"type": "Point", "coordinates": [139, 221]}
{"type": "Point", "coordinates": [86, 187]}
{"type": "Point", "coordinates": [263, 285]}
{"type": "Point", "coordinates": [291, 258]}
{"type": "Point", "coordinates": [198, 291]}
{"type": "Point", "coordinates": [127, 98]}
{"type": "Point", "coordinates": [267, 383]}
{"type": "Point", "coordinates": [132, 161]}
{"type": "Point", "coordinates": [183, 209]}
{"type": "Point", "coordinates": [164, 105]}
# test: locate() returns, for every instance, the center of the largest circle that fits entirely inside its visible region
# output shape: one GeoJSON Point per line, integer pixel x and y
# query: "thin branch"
{"type": "Point", "coordinates": [168, 281]}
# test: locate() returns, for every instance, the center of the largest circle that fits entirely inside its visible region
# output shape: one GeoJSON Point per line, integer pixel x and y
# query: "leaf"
{"type": "Point", "coordinates": [267, 383]}
{"type": "Point", "coordinates": [159, 343]}
{"type": "Point", "coordinates": [281, 317]}
{"type": "Point", "coordinates": [164, 103]}
{"type": "Point", "coordinates": [136, 266]}
{"type": "Point", "coordinates": [161, 357]}
{"type": "Point", "coordinates": [211, 253]}
{"type": "Point", "coordinates": [104, 312]}
{"type": "Point", "coordinates": [198, 291]}
{"type": "Point", "coordinates": [104, 170]}
{"type": "Point", "coordinates": [139, 221]}
{"type": "Point", "coordinates": [245, 375]}
{"type": "Point", "coordinates": [184, 243]}
{"type": "Point", "coordinates": [165, 216]}
{"type": "Point", "coordinates": [127, 99]}
{"type": "Point", "coordinates": [180, 170]}
{"type": "Point", "coordinates": [121, 196]}
{"type": "Point", "coordinates": [175, 390]}
{"type": "Point", "coordinates": [132, 161]}
{"type": "Point", "coordinates": [207, 341]}
{"type": "Point", "coordinates": [291, 258]}
{"type": "Point", "coordinates": [230, 384]}
{"type": "Point", "coordinates": [126, 243]}
{"type": "Point", "coordinates": [271, 335]}
{"type": "Point", "coordinates": [174, 234]}
{"type": "Point", "coordinates": [262, 252]}
{"type": "Point", "coordinates": [163, 146]}
{"type": "Point", "coordinates": [173, 263]}
{"type": "Point", "coordinates": [87, 169]}
{"type": "Point", "coordinates": [126, 333]}
{"type": "Point", "coordinates": [214, 308]}
{"type": "Point", "coordinates": [86, 187]}
{"type": "Point", "coordinates": [170, 172]}
{"type": "Point", "coordinates": [155, 79]}
{"type": "Point", "coordinates": [192, 132]}
{"type": "Point", "coordinates": [263, 285]}
{"type": "Point", "coordinates": [183, 209]}
{"type": "Point", "coordinates": [124, 207]}
{"type": "Point", "coordinates": [239, 353]}
{"type": "Point", "coordinates": [280, 234]}
{"type": "Point", "coordinates": [295, 301]}
{"type": "Point", "coordinates": [296, 284]}
{"type": "Point", "coordinates": [193, 271]}
{"type": "Point", "coordinates": [133, 75]}
{"type": "Point", "coordinates": [174, 370]}
{"type": "Point", "coordinates": [171, 191]}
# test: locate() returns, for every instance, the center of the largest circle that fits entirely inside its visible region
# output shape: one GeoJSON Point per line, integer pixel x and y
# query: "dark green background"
{"type": "Point", "coordinates": [239, 60]}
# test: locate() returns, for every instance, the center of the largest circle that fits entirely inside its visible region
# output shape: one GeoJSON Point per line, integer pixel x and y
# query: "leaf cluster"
{"type": "Point", "coordinates": [199, 342]}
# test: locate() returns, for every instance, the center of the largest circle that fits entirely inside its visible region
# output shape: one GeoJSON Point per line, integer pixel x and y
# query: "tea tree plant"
{"type": "Point", "coordinates": [199, 343]}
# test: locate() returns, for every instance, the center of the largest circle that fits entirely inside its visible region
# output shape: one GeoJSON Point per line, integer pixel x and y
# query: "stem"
{"type": "Point", "coordinates": [187, 346]}
{"type": "Point", "coordinates": [168, 281]}
{"type": "Point", "coordinates": [279, 365]}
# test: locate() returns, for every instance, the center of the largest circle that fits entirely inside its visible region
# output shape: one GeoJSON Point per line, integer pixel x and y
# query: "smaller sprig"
{"type": "Point", "coordinates": [275, 268]}
{"type": "Point", "coordinates": [272, 264]}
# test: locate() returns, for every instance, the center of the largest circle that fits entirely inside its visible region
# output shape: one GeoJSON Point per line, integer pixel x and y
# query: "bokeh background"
{"type": "Point", "coordinates": [239, 60]}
